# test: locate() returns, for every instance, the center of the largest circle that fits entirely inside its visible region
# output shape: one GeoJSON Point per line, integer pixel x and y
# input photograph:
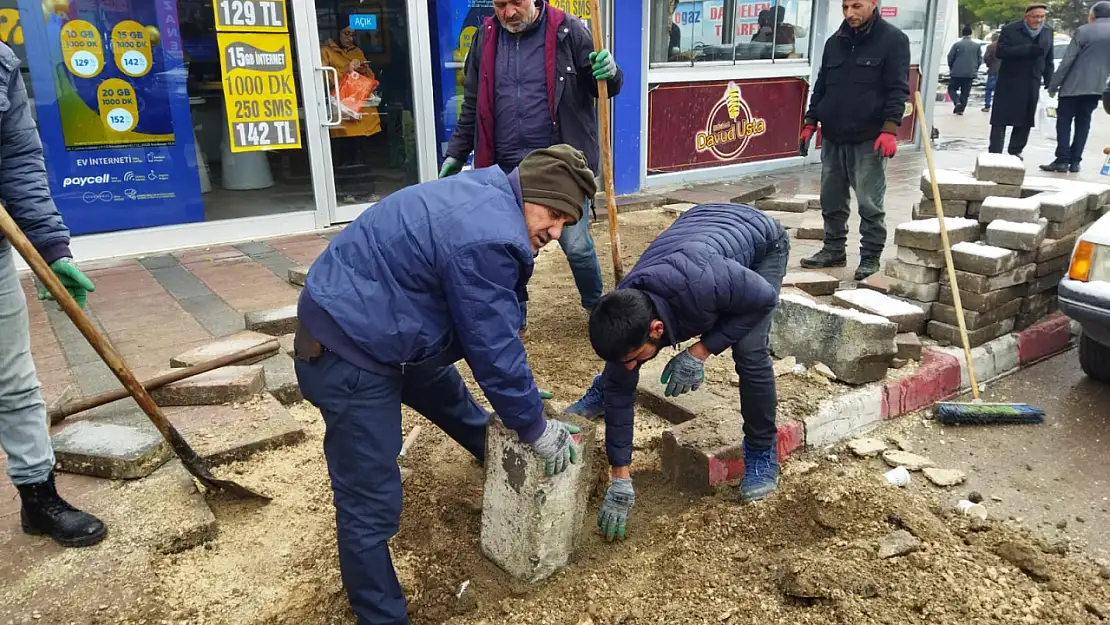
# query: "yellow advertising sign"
{"type": "Point", "coordinates": [259, 94]}
{"type": "Point", "coordinates": [131, 47]}
{"type": "Point", "coordinates": [118, 108]}
{"type": "Point", "coordinates": [577, 8]}
{"type": "Point", "coordinates": [82, 48]}
{"type": "Point", "coordinates": [256, 16]}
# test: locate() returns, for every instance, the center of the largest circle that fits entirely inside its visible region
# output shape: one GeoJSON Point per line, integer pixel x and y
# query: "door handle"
{"type": "Point", "coordinates": [338, 114]}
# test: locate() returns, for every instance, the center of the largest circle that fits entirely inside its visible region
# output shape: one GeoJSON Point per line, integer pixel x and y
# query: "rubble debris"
{"type": "Point", "coordinates": [898, 543]}
{"type": "Point", "coordinates": [912, 462]}
{"type": "Point", "coordinates": [944, 477]}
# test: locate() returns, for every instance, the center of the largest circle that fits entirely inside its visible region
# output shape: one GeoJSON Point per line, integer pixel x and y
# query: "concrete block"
{"type": "Point", "coordinates": [813, 200]}
{"type": "Point", "coordinates": [1048, 336]}
{"type": "Point", "coordinates": [1054, 248]}
{"type": "Point", "coordinates": [281, 379]}
{"type": "Point", "coordinates": [875, 282]}
{"type": "Point", "coordinates": [813, 282]}
{"type": "Point", "coordinates": [1036, 311]}
{"type": "Point", "coordinates": [1038, 301]}
{"type": "Point", "coordinates": [925, 258]}
{"type": "Point", "coordinates": [909, 346]}
{"type": "Point", "coordinates": [677, 209]}
{"type": "Point", "coordinates": [924, 234]}
{"type": "Point", "coordinates": [944, 332]}
{"type": "Point", "coordinates": [226, 433]}
{"type": "Point", "coordinates": [858, 347]}
{"type": "Point", "coordinates": [983, 302]}
{"type": "Point", "coordinates": [298, 275]}
{"type": "Point", "coordinates": [845, 416]}
{"type": "Point", "coordinates": [927, 208]}
{"type": "Point", "coordinates": [985, 260]}
{"type": "Point", "coordinates": [926, 307]}
{"type": "Point", "coordinates": [221, 386]}
{"type": "Point", "coordinates": [531, 523]}
{"type": "Point", "coordinates": [1097, 193]}
{"type": "Point", "coordinates": [911, 273]}
{"type": "Point", "coordinates": [275, 322]}
{"type": "Point", "coordinates": [812, 229]}
{"type": "Point", "coordinates": [676, 409]}
{"type": "Point", "coordinates": [1021, 210]}
{"type": "Point", "coordinates": [1056, 265]}
{"type": "Point", "coordinates": [224, 347]}
{"type": "Point", "coordinates": [1060, 229]}
{"type": "Point", "coordinates": [187, 521]}
{"type": "Point", "coordinates": [1016, 236]}
{"type": "Point", "coordinates": [110, 450]}
{"type": "Point", "coordinates": [1037, 184]}
{"type": "Point", "coordinates": [784, 204]}
{"type": "Point", "coordinates": [1000, 168]}
{"type": "Point", "coordinates": [286, 344]}
{"type": "Point", "coordinates": [956, 185]}
{"type": "Point", "coordinates": [1062, 205]}
{"type": "Point", "coordinates": [908, 317]}
{"type": "Point", "coordinates": [700, 454]}
{"type": "Point", "coordinates": [913, 290]}
{"type": "Point", "coordinates": [938, 377]}
{"type": "Point", "coordinates": [973, 209]}
{"type": "Point", "coordinates": [975, 320]}
{"type": "Point", "coordinates": [977, 283]}
{"type": "Point", "coordinates": [753, 193]}
{"type": "Point", "coordinates": [1046, 283]}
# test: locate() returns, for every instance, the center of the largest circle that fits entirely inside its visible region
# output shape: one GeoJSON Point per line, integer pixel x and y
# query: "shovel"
{"type": "Point", "coordinates": [193, 462]}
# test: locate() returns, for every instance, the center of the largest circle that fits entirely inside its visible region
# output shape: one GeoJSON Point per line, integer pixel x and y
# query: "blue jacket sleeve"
{"type": "Point", "coordinates": [619, 386]}
{"type": "Point", "coordinates": [742, 299]}
{"type": "Point", "coordinates": [480, 286]}
{"type": "Point", "coordinates": [23, 183]}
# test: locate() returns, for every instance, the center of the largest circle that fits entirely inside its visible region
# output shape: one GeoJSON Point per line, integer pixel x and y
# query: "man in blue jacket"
{"type": "Point", "coordinates": [714, 274]}
{"type": "Point", "coordinates": [429, 276]}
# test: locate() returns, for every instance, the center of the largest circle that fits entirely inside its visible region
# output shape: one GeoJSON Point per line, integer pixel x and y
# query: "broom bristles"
{"type": "Point", "coordinates": [953, 413]}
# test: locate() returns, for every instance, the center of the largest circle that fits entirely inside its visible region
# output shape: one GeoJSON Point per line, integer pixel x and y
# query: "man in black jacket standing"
{"type": "Point", "coordinates": [1025, 50]}
{"type": "Point", "coordinates": [859, 98]}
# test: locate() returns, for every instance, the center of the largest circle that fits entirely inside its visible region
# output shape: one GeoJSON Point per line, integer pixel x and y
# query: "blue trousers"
{"type": "Point", "coordinates": [989, 97]}
{"type": "Point", "coordinates": [362, 415]}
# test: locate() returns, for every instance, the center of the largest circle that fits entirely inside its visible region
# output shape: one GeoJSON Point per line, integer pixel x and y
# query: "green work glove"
{"type": "Point", "coordinates": [72, 279]}
{"type": "Point", "coordinates": [556, 447]}
{"type": "Point", "coordinates": [545, 394]}
{"type": "Point", "coordinates": [613, 516]}
{"type": "Point", "coordinates": [604, 67]}
{"type": "Point", "coordinates": [451, 166]}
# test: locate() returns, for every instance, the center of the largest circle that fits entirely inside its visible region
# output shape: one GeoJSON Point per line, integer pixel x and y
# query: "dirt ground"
{"type": "Point", "coordinates": [808, 555]}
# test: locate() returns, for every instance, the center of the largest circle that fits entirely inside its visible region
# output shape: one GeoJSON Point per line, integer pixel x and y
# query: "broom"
{"type": "Point", "coordinates": [976, 412]}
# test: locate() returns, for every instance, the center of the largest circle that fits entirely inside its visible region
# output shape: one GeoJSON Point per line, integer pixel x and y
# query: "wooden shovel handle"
{"type": "Point", "coordinates": [606, 150]}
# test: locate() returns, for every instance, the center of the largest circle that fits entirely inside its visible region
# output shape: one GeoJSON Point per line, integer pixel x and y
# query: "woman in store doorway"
{"type": "Point", "coordinates": [360, 119]}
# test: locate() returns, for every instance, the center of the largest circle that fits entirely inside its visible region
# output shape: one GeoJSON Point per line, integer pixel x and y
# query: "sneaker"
{"type": "Point", "coordinates": [825, 258]}
{"type": "Point", "coordinates": [1074, 168]}
{"type": "Point", "coordinates": [1055, 166]}
{"type": "Point", "coordinates": [592, 404]}
{"type": "Point", "coordinates": [45, 513]}
{"type": "Point", "coordinates": [867, 265]}
{"type": "Point", "coordinates": [761, 473]}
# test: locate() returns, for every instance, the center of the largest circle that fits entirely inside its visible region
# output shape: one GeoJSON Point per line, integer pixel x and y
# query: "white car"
{"type": "Point", "coordinates": [1085, 296]}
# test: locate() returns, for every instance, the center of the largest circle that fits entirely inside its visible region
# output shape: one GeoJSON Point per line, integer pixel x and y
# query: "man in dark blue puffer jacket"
{"type": "Point", "coordinates": [714, 274]}
{"type": "Point", "coordinates": [428, 276]}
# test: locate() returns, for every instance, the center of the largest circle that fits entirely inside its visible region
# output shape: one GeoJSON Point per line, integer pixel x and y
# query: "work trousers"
{"type": "Point", "coordinates": [1019, 137]}
{"type": "Point", "coordinates": [23, 431]}
{"type": "Point", "coordinates": [959, 90]}
{"type": "Point", "coordinates": [1077, 109]}
{"type": "Point", "coordinates": [362, 415]}
{"type": "Point", "coordinates": [859, 167]}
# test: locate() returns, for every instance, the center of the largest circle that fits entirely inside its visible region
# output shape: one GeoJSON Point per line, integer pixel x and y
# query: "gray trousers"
{"type": "Point", "coordinates": [859, 167]}
{"type": "Point", "coordinates": [23, 432]}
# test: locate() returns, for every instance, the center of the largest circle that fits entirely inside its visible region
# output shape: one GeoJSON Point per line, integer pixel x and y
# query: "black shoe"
{"type": "Point", "coordinates": [1020, 157]}
{"type": "Point", "coordinates": [1055, 166]}
{"type": "Point", "coordinates": [1074, 168]}
{"type": "Point", "coordinates": [867, 265]}
{"type": "Point", "coordinates": [958, 112]}
{"type": "Point", "coordinates": [45, 513]}
{"type": "Point", "coordinates": [825, 258]}
{"type": "Point", "coordinates": [986, 109]}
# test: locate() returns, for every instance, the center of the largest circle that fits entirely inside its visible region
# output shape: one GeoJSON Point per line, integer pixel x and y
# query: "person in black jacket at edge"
{"type": "Point", "coordinates": [1025, 49]}
{"type": "Point", "coordinates": [859, 99]}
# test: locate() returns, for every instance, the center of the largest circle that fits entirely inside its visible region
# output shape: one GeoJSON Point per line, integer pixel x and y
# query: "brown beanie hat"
{"type": "Point", "coordinates": [557, 177]}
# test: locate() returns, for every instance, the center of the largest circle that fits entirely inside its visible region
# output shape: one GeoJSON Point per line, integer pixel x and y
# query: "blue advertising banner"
{"type": "Point", "coordinates": [113, 112]}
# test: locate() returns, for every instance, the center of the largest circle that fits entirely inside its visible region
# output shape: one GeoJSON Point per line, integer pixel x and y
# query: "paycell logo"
{"type": "Point", "coordinates": [80, 181]}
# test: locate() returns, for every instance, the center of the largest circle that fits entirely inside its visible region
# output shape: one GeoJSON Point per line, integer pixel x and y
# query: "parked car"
{"type": "Point", "coordinates": [1085, 296]}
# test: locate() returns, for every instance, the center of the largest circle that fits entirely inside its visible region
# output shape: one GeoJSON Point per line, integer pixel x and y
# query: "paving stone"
{"type": "Point", "coordinates": [1097, 193]}
{"type": "Point", "coordinates": [1036, 308]}
{"type": "Point", "coordinates": [789, 221]}
{"type": "Point", "coordinates": [813, 200]}
{"type": "Point", "coordinates": [753, 193]}
{"type": "Point", "coordinates": [867, 447]}
{"type": "Point", "coordinates": [224, 347]}
{"type": "Point", "coordinates": [977, 283]}
{"type": "Point", "coordinates": [1021, 210]}
{"type": "Point", "coordinates": [858, 347]}
{"type": "Point", "coordinates": [926, 208]}
{"type": "Point", "coordinates": [944, 477]}
{"type": "Point", "coordinates": [983, 302]}
{"type": "Point", "coordinates": [275, 322]}
{"type": "Point", "coordinates": [812, 229]}
{"type": "Point", "coordinates": [944, 332]}
{"type": "Point", "coordinates": [677, 410]}
{"type": "Point", "coordinates": [956, 185]}
{"type": "Point", "coordinates": [784, 204]}
{"type": "Point", "coordinates": [285, 342]}
{"type": "Point", "coordinates": [1054, 248]}
{"type": "Point", "coordinates": [1063, 205]}
{"type": "Point", "coordinates": [908, 317]}
{"type": "Point", "coordinates": [911, 273]}
{"type": "Point", "coordinates": [973, 209]}
{"type": "Point", "coordinates": [1016, 236]}
{"type": "Point", "coordinates": [220, 386]}
{"type": "Point", "coordinates": [925, 258]}
{"type": "Point", "coordinates": [1060, 229]}
{"type": "Point", "coordinates": [912, 462]}
{"type": "Point", "coordinates": [924, 234]}
{"type": "Point", "coordinates": [975, 320]}
{"type": "Point", "coordinates": [532, 524]}
{"type": "Point", "coordinates": [186, 520]}
{"type": "Point", "coordinates": [1058, 264]}
{"type": "Point", "coordinates": [913, 290]}
{"type": "Point", "coordinates": [1038, 301]}
{"type": "Point", "coordinates": [926, 307]}
{"type": "Point", "coordinates": [298, 275]}
{"type": "Point", "coordinates": [1039, 184]}
{"type": "Point", "coordinates": [227, 433]}
{"type": "Point", "coordinates": [875, 282]}
{"type": "Point", "coordinates": [812, 282]}
{"type": "Point", "coordinates": [678, 209]}
{"type": "Point", "coordinates": [1000, 168]}
{"type": "Point", "coordinates": [630, 203]}
{"type": "Point", "coordinates": [986, 260]}
{"type": "Point", "coordinates": [110, 450]}
{"type": "Point", "coordinates": [1044, 283]}
{"type": "Point", "coordinates": [909, 346]}
{"type": "Point", "coordinates": [281, 379]}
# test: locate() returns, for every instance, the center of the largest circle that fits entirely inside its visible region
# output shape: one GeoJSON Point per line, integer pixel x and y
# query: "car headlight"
{"type": "Point", "coordinates": [1090, 263]}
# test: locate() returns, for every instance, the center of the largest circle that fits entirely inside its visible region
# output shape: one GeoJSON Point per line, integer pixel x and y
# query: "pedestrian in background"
{"type": "Point", "coordinates": [964, 59]}
{"type": "Point", "coordinates": [990, 57]}
{"type": "Point", "coordinates": [1025, 49]}
{"type": "Point", "coordinates": [1080, 81]}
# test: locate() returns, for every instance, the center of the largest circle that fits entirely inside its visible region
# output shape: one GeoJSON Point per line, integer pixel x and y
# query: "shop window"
{"type": "Point", "coordinates": [729, 31]}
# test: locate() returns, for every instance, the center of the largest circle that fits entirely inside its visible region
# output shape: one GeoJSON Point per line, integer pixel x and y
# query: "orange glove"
{"type": "Point", "coordinates": [886, 144]}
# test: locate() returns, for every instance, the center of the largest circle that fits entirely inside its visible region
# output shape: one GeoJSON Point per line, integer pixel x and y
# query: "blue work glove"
{"type": "Point", "coordinates": [556, 447]}
{"type": "Point", "coordinates": [72, 279]}
{"type": "Point", "coordinates": [613, 516]}
{"type": "Point", "coordinates": [684, 373]}
{"type": "Point", "coordinates": [604, 67]}
{"type": "Point", "coordinates": [451, 166]}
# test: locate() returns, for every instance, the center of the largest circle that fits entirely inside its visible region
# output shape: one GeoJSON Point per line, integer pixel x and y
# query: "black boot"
{"type": "Point", "coordinates": [1074, 168]}
{"type": "Point", "coordinates": [825, 258]}
{"type": "Point", "coordinates": [45, 513]}
{"type": "Point", "coordinates": [867, 265]}
{"type": "Point", "coordinates": [1055, 166]}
